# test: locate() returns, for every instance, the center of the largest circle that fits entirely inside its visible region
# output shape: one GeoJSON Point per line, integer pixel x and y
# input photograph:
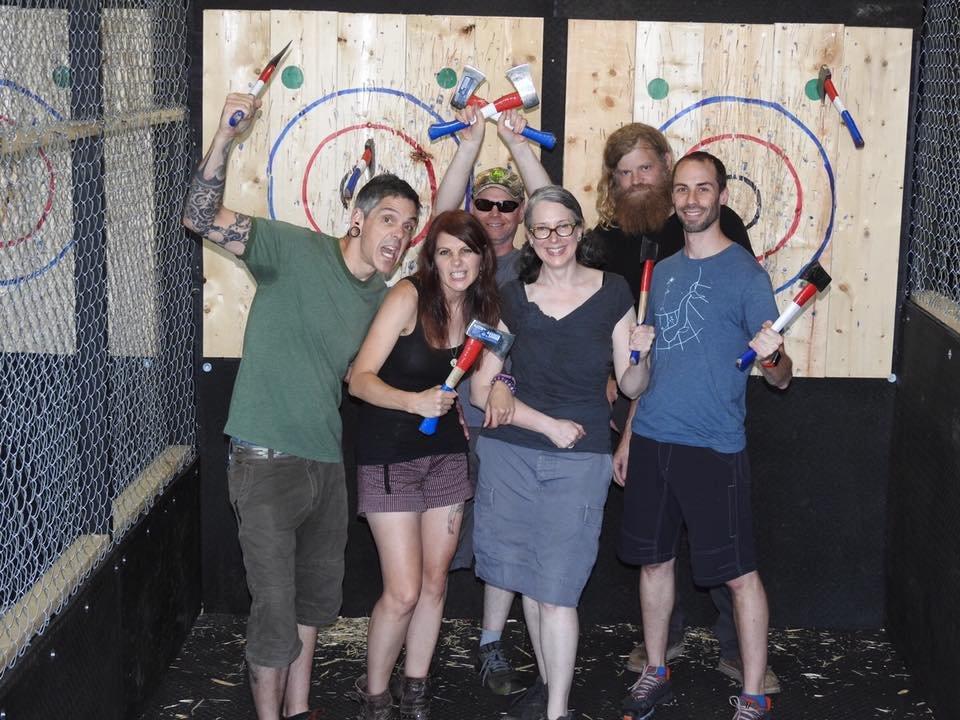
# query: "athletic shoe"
{"type": "Point", "coordinates": [733, 668]}
{"type": "Point", "coordinates": [532, 705]}
{"type": "Point", "coordinates": [747, 709]}
{"type": "Point", "coordinates": [638, 656]}
{"type": "Point", "coordinates": [652, 688]}
{"type": "Point", "coordinates": [495, 670]}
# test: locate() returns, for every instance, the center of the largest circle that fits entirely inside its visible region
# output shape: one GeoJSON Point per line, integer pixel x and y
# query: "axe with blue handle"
{"type": "Point", "coordinates": [261, 83]}
{"type": "Point", "coordinates": [479, 335]}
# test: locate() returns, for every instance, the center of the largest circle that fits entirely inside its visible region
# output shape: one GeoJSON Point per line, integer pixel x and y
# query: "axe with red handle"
{"type": "Point", "coordinates": [817, 281]}
{"type": "Point", "coordinates": [648, 253]}
{"type": "Point", "coordinates": [479, 335]}
{"type": "Point", "coordinates": [260, 83]}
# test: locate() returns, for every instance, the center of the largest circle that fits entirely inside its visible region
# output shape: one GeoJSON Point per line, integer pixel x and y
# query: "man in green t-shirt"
{"type": "Point", "coordinates": [316, 296]}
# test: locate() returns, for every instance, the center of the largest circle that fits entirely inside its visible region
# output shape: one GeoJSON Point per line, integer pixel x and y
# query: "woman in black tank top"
{"type": "Point", "coordinates": [412, 486]}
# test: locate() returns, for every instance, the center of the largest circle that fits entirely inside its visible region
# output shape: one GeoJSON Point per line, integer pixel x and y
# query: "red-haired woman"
{"type": "Point", "coordinates": [411, 486]}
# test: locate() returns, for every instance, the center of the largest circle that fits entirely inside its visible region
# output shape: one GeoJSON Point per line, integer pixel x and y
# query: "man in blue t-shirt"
{"type": "Point", "coordinates": [688, 462]}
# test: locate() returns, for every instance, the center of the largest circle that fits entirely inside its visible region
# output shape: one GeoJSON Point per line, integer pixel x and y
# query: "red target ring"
{"type": "Point", "coordinates": [791, 231]}
{"type": "Point", "coordinates": [47, 206]}
{"type": "Point", "coordinates": [415, 146]}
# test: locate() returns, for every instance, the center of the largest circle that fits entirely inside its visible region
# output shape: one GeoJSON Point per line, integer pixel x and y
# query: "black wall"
{"type": "Point", "coordinates": [923, 561]}
{"type": "Point", "coordinates": [107, 650]}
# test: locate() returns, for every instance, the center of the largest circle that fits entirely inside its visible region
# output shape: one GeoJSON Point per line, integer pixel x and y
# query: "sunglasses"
{"type": "Point", "coordinates": [504, 206]}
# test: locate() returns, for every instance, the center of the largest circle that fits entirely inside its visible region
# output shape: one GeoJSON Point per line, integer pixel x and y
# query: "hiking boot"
{"type": "Point", "coordinates": [638, 656]}
{"type": "Point", "coordinates": [532, 705]}
{"type": "Point", "coordinates": [650, 689]}
{"type": "Point", "coordinates": [374, 707]}
{"type": "Point", "coordinates": [747, 709]}
{"type": "Point", "coordinates": [495, 670]}
{"type": "Point", "coordinates": [415, 700]}
{"type": "Point", "coordinates": [733, 668]}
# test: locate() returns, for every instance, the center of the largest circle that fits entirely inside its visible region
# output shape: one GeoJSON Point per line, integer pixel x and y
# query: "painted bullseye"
{"type": "Point", "coordinates": [810, 135]}
{"type": "Point", "coordinates": [798, 208]}
{"type": "Point", "coordinates": [428, 165]}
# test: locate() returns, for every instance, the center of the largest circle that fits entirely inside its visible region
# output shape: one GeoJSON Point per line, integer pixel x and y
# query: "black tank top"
{"type": "Point", "coordinates": [389, 436]}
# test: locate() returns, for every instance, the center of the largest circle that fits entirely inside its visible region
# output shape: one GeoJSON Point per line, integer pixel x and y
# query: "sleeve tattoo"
{"type": "Point", "coordinates": [204, 200]}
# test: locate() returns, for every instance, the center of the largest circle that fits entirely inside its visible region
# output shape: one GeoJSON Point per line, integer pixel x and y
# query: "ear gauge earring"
{"type": "Point", "coordinates": [354, 231]}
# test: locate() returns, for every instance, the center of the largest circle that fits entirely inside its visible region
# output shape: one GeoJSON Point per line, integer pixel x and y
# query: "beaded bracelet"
{"type": "Point", "coordinates": [507, 380]}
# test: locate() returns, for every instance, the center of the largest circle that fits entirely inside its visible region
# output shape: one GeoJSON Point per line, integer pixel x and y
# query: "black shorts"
{"type": "Point", "coordinates": [669, 485]}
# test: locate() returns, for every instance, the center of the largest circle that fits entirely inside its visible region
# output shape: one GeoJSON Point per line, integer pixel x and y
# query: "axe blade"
{"type": "Point", "coordinates": [522, 80]}
{"type": "Point", "coordinates": [496, 341]}
{"type": "Point", "coordinates": [816, 276]}
{"type": "Point", "coordinates": [648, 249]}
{"type": "Point", "coordinates": [470, 80]}
{"type": "Point", "coordinates": [822, 78]}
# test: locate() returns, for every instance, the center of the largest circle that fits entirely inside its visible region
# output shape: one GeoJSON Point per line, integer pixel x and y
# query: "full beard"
{"type": "Point", "coordinates": [643, 209]}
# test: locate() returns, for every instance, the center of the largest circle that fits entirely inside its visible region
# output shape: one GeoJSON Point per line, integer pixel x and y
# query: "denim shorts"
{"type": "Point", "coordinates": [669, 485]}
{"type": "Point", "coordinates": [292, 517]}
{"type": "Point", "coordinates": [537, 519]}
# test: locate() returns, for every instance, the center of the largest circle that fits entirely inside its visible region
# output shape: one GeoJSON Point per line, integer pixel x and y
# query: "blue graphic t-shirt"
{"type": "Point", "coordinates": [705, 312]}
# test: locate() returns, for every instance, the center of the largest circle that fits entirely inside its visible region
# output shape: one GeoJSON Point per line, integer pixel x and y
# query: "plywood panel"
{"type": "Point", "coordinates": [669, 78]}
{"type": "Point", "coordinates": [798, 202]}
{"type": "Point", "coordinates": [601, 58]}
{"type": "Point", "coordinates": [349, 78]}
{"type": "Point", "coordinates": [874, 83]}
{"type": "Point", "coordinates": [741, 92]}
{"type": "Point", "coordinates": [236, 44]}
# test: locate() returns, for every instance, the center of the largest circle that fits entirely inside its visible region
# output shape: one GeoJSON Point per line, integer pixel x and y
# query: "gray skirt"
{"type": "Point", "coordinates": [537, 519]}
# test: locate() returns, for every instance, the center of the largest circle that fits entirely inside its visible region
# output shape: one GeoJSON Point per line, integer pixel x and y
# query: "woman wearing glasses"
{"type": "Point", "coordinates": [544, 476]}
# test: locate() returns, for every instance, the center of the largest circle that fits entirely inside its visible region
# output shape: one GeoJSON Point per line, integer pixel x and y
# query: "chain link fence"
{"type": "Point", "coordinates": [97, 410]}
{"type": "Point", "coordinates": [934, 257]}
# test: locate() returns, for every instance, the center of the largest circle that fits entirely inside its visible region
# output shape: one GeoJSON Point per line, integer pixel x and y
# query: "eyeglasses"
{"type": "Point", "coordinates": [504, 206]}
{"type": "Point", "coordinates": [542, 232]}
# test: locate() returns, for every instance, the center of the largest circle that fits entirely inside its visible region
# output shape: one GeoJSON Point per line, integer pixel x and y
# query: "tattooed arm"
{"type": "Point", "coordinates": [203, 211]}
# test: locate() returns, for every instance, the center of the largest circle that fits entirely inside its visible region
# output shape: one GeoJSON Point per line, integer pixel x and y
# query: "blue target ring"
{"type": "Point", "coordinates": [327, 98]}
{"type": "Point", "coordinates": [827, 167]}
{"type": "Point", "coordinates": [49, 109]}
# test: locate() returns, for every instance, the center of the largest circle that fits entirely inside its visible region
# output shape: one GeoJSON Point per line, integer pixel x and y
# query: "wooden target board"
{"type": "Point", "coordinates": [747, 93]}
{"type": "Point", "coordinates": [348, 78]}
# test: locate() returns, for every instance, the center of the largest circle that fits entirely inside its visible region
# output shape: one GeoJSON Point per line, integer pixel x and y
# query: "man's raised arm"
{"type": "Point", "coordinates": [203, 212]}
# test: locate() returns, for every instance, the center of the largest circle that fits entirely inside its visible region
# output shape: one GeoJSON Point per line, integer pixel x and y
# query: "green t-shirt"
{"type": "Point", "coordinates": [306, 323]}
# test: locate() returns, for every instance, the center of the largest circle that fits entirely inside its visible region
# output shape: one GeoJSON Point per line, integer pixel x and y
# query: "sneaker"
{"type": "Point", "coordinates": [650, 689]}
{"type": "Point", "coordinates": [532, 705]}
{"type": "Point", "coordinates": [495, 670]}
{"type": "Point", "coordinates": [638, 656]}
{"type": "Point", "coordinates": [747, 709]}
{"type": "Point", "coordinates": [733, 668]}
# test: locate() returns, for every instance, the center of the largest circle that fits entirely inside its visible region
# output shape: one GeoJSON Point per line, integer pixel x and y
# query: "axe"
{"type": "Point", "coordinates": [826, 88]}
{"type": "Point", "coordinates": [470, 80]}
{"type": "Point", "coordinates": [260, 83]}
{"type": "Point", "coordinates": [648, 253]}
{"type": "Point", "coordinates": [348, 184]}
{"type": "Point", "coordinates": [525, 96]}
{"type": "Point", "coordinates": [479, 335]}
{"type": "Point", "coordinates": [817, 280]}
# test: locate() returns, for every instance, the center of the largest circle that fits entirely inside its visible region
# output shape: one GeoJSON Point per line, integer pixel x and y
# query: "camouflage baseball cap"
{"type": "Point", "coordinates": [499, 177]}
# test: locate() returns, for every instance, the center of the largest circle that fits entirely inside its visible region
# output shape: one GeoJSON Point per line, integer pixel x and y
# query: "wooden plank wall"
{"type": "Point", "coordinates": [363, 76]}
{"type": "Point", "coordinates": [740, 91]}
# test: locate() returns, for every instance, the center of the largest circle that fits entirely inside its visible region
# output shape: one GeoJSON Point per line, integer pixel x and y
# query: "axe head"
{"type": "Point", "coordinates": [648, 249]}
{"type": "Point", "coordinates": [496, 341]}
{"type": "Point", "coordinates": [372, 163]}
{"type": "Point", "coordinates": [522, 81]}
{"type": "Point", "coordinates": [470, 80]}
{"type": "Point", "coordinates": [816, 276]}
{"type": "Point", "coordinates": [822, 78]}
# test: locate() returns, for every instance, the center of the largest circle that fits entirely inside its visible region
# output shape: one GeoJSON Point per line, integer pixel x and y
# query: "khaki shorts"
{"type": "Point", "coordinates": [292, 515]}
